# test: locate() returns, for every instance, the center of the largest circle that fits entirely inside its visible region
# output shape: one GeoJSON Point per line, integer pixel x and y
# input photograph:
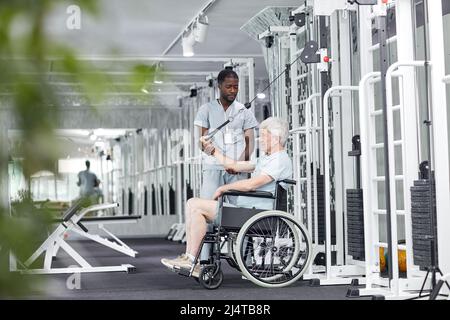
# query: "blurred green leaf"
{"type": "Point", "coordinates": [25, 62]}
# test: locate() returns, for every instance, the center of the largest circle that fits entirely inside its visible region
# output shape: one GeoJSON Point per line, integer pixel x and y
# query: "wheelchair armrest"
{"type": "Point", "coordinates": [288, 181]}
{"type": "Point", "coordinates": [254, 194]}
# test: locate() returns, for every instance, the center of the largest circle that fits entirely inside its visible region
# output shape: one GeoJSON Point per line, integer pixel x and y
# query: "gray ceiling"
{"type": "Point", "coordinates": [147, 27]}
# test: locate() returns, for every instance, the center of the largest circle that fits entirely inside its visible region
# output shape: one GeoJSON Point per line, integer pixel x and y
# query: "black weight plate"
{"type": "Point", "coordinates": [356, 246]}
{"type": "Point", "coordinates": [356, 224]}
{"type": "Point", "coordinates": [421, 247]}
{"type": "Point", "coordinates": [422, 260]}
{"type": "Point", "coordinates": [421, 204]}
{"type": "Point", "coordinates": [353, 230]}
{"type": "Point", "coordinates": [421, 211]}
{"type": "Point", "coordinates": [355, 216]}
{"type": "Point", "coordinates": [415, 198]}
{"type": "Point", "coordinates": [355, 211]}
{"type": "Point", "coordinates": [355, 234]}
{"type": "Point", "coordinates": [421, 217]}
{"type": "Point", "coordinates": [420, 242]}
{"type": "Point", "coordinates": [356, 250]}
{"type": "Point", "coordinates": [352, 220]}
{"type": "Point", "coordinates": [354, 200]}
{"type": "Point", "coordinates": [421, 189]}
{"type": "Point", "coordinates": [359, 238]}
{"type": "Point", "coordinates": [352, 216]}
{"type": "Point", "coordinates": [422, 193]}
{"type": "Point", "coordinates": [422, 182]}
{"type": "Point", "coordinates": [422, 199]}
{"type": "Point", "coordinates": [420, 220]}
{"type": "Point", "coordinates": [355, 206]}
{"type": "Point", "coordinates": [420, 234]}
{"type": "Point", "coordinates": [421, 226]}
{"type": "Point", "coordinates": [354, 191]}
{"type": "Point", "coordinates": [355, 237]}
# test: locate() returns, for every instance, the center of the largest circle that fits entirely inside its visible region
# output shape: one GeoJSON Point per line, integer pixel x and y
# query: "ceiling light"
{"type": "Point", "coordinates": [201, 28]}
{"type": "Point", "coordinates": [228, 65]}
{"type": "Point", "coordinates": [188, 42]}
{"type": "Point", "coordinates": [261, 95]}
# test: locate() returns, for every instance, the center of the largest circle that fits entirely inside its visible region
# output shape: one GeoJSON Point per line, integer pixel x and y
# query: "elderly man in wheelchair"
{"type": "Point", "coordinates": [269, 246]}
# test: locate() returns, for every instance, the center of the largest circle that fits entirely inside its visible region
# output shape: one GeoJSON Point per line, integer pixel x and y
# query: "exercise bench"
{"type": "Point", "coordinates": [73, 219]}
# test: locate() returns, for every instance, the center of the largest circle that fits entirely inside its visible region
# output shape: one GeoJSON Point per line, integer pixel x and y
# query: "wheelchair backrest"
{"type": "Point", "coordinates": [281, 198]}
{"type": "Point", "coordinates": [281, 194]}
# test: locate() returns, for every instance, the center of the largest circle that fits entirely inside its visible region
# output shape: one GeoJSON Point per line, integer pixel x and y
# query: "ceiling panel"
{"type": "Point", "coordinates": [146, 28]}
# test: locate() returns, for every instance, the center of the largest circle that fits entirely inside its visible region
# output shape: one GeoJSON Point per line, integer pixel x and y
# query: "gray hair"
{"type": "Point", "coordinates": [276, 127]}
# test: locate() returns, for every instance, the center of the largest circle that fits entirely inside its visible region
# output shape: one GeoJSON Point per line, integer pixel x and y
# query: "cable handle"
{"type": "Point", "coordinates": [230, 119]}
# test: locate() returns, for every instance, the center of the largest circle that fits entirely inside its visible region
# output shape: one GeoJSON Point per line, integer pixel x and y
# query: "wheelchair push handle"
{"type": "Point", "coordinates": [258, 194]}
{"type": "Point", "coordinates": [255, 194]}
{"type": "Point", "coordinates": [287, 181]}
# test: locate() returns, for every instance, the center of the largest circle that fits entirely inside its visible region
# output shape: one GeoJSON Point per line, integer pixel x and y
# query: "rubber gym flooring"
{"type": "Point", "coordinates": [154, 281]}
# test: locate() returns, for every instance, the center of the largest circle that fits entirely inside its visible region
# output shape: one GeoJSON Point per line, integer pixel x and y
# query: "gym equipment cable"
{"type": "Point", "coordinates": [249, 104]}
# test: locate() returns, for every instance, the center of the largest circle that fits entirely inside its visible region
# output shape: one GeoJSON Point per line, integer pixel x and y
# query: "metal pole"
{"type": "Point", "coordinates": [326, 169]}
{"type": "Point", "coordinates": [324, 85]}
{"type": "Point", "coordinates": [384, 65]}
{"type": "Point", "coordinates": [366, 182]}
{"type": "Point", "coordinates": [393, 242]}
{"type": "Point", "coordinates": [440, 128]}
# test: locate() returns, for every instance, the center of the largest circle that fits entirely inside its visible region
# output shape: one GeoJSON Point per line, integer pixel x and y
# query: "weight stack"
{"type": "Point", "coordinates": [320, 207]}
{"type": "Point", "coordinates": [421, 221]}
{"type": "Point", "coordinates": [321, 210]}
{"type": "Point", "coordinates": [355, 223]}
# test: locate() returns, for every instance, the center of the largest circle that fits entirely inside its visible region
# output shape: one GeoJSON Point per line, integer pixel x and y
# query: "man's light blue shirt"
{"type": "Point", "coordinates": [211, 115]}
{"type": "Point", "coordinates": [278, 165]}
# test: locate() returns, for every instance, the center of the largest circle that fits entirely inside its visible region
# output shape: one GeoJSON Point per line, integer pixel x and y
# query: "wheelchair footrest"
{"type": "Point", "coordinates": [183, 272]}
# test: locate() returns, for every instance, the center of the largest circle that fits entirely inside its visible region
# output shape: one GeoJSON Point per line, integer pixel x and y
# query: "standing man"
{"type": "Point", "coordinates": [88, 183]}
{"type": "Point", "coordinates": [235, 140]}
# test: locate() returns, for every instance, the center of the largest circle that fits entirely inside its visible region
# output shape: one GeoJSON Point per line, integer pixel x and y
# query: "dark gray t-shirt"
{"type": "Point", "coordinates": [88, 182]}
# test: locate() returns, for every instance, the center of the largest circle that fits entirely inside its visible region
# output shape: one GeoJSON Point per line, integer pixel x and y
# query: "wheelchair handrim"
{"type": "Point", "coordinates": [243, 233]}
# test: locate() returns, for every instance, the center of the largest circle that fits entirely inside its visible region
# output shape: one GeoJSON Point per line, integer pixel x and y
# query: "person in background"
{"type": "Point", "coordinates": [88, 183]}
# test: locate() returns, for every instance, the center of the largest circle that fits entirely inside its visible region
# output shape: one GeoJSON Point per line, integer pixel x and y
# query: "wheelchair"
{"type": "Point", "coordinates": [271, 248]}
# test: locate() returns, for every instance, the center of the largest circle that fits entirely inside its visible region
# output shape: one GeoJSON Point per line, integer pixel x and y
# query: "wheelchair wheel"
{"type": "Point", "coordinates": [211, 277]}
{"type": "Point", "coordinates": [273, 249]}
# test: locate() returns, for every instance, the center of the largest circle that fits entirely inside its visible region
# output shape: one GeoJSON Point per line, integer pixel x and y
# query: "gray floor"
{"type": "Point", "coordinates": [154, 281]}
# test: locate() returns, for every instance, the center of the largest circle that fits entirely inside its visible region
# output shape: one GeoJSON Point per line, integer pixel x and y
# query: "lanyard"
{"type": "Point", "coordinates": [230, 119]}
